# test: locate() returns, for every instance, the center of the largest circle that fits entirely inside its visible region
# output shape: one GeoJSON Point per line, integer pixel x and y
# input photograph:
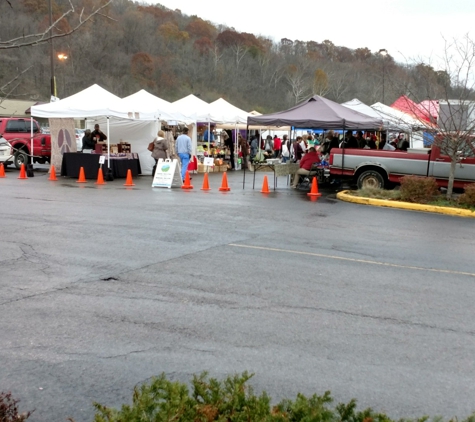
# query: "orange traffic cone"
{"type": "Point", "coordinates": [82, 176]}
{"type": "Point", "coordinates": [128, 180]}
{"type": "Point", "coordinates": [187, 184]}
{"type": "Point", "coordinates": [100, 177]}
{"type": "Point", "coordinates": [314, 191]}
{"type": "Point", "coordinates": [265, 186]}
{"type": "Point", "coordinates": [2, 170]}
{"type": "Point", "coordinates": [205, 183]}
{"type": "Point", "coordinates": [52, 173]}
{"type": "Point", "coordinates": [22, 172]}
{"type": "Point", "coordinates": [224, 183]}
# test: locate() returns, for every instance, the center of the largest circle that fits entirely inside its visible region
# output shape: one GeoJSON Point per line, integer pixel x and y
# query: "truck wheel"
{"type": "Point", "coordinates": [370, 179]}
{"type": "Point", "coordinates": [20, 158]}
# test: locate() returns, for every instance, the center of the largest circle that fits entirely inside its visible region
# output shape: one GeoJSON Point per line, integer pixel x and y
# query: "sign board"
{"type": "Point", "coordinates": [172, 123]}
{"type": "Point", "coordinates": [167, 174]}
{"type": "Point", "coordinates": [208, 161]}
{"type": "Point", "coordinates": [102, 159]}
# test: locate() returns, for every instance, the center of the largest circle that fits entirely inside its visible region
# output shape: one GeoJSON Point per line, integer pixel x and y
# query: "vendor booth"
{"type": "Point", "coordinates": [90, 104]}
{"type": "Point", "coordinates": [206, 117]}
{"type": "Point", "coordinates": [315, 113]}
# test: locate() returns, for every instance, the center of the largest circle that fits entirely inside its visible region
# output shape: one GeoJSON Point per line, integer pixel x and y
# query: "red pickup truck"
{"type": "Point", "coordinates": [18, 132]}
{"type": "Point", "coordinates": [374, 168]}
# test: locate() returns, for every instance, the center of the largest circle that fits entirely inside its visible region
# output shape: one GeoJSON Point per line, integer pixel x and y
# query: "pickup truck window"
{"type": "Point", "coordinates": [20, 126]}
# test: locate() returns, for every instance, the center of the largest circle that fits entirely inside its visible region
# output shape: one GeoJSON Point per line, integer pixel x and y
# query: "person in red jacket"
{"type": "Point", "coordinates": [277, 146]}
{"type": "Point", "coordinates": [306, 164]}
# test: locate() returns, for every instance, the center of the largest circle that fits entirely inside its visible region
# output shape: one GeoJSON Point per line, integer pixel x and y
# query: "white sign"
{"type": "Point", "coordinates": [165, 174]}
{"type": "Point", "coordinates": [208, 161]}
{"type": "Point", "coordinates": [102, 159]}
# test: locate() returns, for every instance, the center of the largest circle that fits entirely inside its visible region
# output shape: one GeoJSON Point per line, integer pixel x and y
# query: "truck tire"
{"type": "Point", "coordinates": [20, 157]}
{"type": "Point", "coordinates": [370, 179]}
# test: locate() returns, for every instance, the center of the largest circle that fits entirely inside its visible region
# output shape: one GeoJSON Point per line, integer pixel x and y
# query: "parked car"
{"type": "Point", "coordinates": [6, 151]}
{"type": "Point", "coordinates": [79, 135]}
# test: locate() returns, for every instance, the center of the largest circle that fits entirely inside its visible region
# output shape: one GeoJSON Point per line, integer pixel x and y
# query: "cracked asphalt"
{"type": "Point", "coordinates": [103, 287]}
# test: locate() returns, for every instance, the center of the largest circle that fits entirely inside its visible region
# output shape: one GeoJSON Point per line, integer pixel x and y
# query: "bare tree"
{"type": "Point", "coordinates": [455, 85]}
{"type": "Point", "coordinates": [57, 29]}
{"type": "Point", "coordinates": [54, 30]}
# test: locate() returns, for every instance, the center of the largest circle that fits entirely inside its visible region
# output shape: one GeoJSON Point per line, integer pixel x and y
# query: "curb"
{"type": "Point", "coordinates": [344, 196]}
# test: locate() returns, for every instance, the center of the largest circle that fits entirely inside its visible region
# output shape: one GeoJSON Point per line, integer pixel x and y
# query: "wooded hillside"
{"type": "Point", "coordinates": [133, 46]}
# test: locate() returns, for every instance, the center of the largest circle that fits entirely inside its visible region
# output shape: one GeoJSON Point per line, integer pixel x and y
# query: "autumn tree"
{"type": "Point", "coordinates": [198, 28]}
{"type": "Point", "coordinates": [320, 82]}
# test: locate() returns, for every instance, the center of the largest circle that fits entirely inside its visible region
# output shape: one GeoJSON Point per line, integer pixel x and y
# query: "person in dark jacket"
{"type": "Point", "coordinates": [87, 141]}
{"type": "Point", "coordinates": [98, 135]}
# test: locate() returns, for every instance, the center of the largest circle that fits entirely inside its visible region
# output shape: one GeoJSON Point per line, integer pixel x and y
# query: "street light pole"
{"type": "Point", "coordinates": [53, 80]}
{"type": "Point", "coordinates": [383, 52]}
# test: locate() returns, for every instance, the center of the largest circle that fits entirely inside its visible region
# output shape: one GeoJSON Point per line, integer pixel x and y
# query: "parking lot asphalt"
{"type": "Point", "coordinates": [102, 287]}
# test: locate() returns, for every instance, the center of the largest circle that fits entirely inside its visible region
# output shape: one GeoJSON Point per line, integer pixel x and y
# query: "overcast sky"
{"type": "Point", "coordinates": [408, 29]}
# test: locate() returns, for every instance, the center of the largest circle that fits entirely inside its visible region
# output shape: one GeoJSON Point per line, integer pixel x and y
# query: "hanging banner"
{"type": "Point", "coordinates": [167, 174]}
{"type": "Point", "coordinates": [63, 139]}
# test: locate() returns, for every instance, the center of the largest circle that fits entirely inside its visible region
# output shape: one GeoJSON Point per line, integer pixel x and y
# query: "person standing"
{"type": "Point", "coordinates": [229, 144]}
{"type": "Point", "coordinates": [244, 146]}
{"type": "Point", "coordinates": [98, 135]}
{"type": "Point", "coordinates": [183, 149]}
{"type": "Point", "coordinates": [297, 149]}
{"type": "Point", "coordinates": [254, 146]}
{"type": "Point", "coordinates": [208, 136]}
{"type": "Point", "coordinates": [285, 149]}
{"type": "Point", "coordinates": [87, 141]}
{"type": "Point", "coordinates": [160, 149]}
{"type": "Point", "coordinates": [277, 146]}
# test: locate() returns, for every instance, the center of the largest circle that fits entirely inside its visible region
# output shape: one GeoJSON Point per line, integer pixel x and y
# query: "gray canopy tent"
{"type": "Point", "coordinates": [318, 113]}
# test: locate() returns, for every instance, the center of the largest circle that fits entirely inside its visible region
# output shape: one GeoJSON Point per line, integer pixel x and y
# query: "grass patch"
{"type": "Point", "coordinates": [377, 193]}
{"type": "Point", "coordinates": [442, 201]}
{"type": "Point", "coordinates": [395, 195]}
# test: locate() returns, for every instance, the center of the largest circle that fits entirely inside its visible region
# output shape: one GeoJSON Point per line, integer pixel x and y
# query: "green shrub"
{"type": "Point", "coordinates": [418, 189]}
{"type": "Point", "coordinates": [468, 197]}
{"type": "Point", "coordinates": [232, 400]}
{"type": "Point", "coordinates": [9, 409]}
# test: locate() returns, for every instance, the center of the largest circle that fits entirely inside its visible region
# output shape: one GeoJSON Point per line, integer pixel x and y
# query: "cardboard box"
{"type": "Point", "coordinates": [201, 168]}
{"type": "Point", "coordinates": [223, 168]}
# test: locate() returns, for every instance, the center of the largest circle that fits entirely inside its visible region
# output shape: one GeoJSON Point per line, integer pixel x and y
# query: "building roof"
{"type": "Point", "coordinates": [15, 108]}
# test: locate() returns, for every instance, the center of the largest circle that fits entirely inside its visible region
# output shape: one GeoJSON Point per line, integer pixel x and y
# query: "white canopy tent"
{"type": "Point", "coordinates": [143, 100]}
{"type": "Point", "coordinates": [389, 123]}
{"type": "Point", "coordinates": [89, 104]}
{"type": "Point", "coordinates": [227, 114]}
{"type": "Point", "coordinates": [405, 123]}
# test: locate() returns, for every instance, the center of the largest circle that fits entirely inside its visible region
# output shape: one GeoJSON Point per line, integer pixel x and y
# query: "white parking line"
{"type": "Point", "coordinates": [362, 261]}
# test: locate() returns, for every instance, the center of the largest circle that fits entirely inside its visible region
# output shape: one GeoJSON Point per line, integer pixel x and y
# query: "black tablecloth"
{"type": "Point", "coordinates": [73, 161]}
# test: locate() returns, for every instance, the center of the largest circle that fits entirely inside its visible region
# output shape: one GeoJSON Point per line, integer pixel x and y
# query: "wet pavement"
{"type": "Point", "coordinates": [102, 287]}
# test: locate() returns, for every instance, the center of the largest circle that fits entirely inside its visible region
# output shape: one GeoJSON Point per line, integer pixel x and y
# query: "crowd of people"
{"type": "Point", "coordinates": [307, 149]}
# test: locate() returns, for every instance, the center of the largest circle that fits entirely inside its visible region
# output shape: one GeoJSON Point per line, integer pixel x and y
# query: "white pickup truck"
{"type": "Point", "coordinates": [374, 168]}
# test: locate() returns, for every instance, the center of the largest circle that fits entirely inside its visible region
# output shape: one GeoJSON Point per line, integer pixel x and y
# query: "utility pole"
{"type": "Point", "coordinates": [53, 80]}
{"type": "Point", "coordinates": [383, 52]}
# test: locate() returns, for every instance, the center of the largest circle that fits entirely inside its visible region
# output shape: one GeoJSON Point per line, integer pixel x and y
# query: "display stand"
{"type": "Point", "coordinates": [167, 174]}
